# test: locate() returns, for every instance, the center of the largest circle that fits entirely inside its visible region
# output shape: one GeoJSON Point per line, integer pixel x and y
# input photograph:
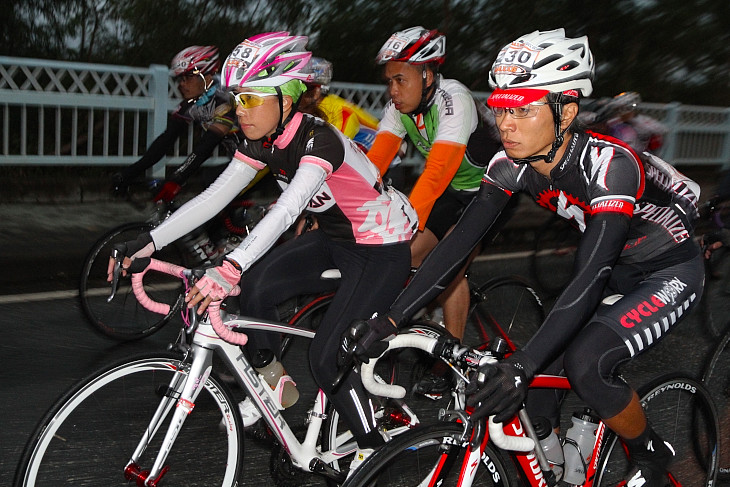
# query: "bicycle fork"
{"type": "Point", "coordinates": [181, 393]}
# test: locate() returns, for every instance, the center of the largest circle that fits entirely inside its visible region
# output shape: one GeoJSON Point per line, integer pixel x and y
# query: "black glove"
{"type": "Point", "coordinates": [139, 250]}
{"type": "Point", "coordinates": [367, 336]}
{"type": "Point", "coordinates": [501, 388]}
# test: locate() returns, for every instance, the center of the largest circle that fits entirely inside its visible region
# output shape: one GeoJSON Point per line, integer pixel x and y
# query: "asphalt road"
{"type": "Point", "coordinates": [47, 344]}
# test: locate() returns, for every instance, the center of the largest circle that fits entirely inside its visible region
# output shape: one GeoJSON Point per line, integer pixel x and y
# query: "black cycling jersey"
{"type": "Point", "coordinates": [601, 174]}
{"type": "Point", "coordinates": [631, 212]}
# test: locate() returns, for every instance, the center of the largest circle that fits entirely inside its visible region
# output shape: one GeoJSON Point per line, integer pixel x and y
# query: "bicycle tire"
{"type": "Point", "coordinates": [88, 436]}
{"type": "Point", "coordinates": [124, 318]}
{"type": "Point", "coordinates": [303, 311]}
{"type": "Point", "coordinates": [409, 459]}
{"type": "Point", "coordinates": [716, 292]}
{"type": "Point", "coordinates": [716, 378]}
{"type": "Point", "coordinates": [681, 412]}
{"type": "Point", "coordinates": [551, 262]}
{"type": "Point", "coordinates": [509, 307]}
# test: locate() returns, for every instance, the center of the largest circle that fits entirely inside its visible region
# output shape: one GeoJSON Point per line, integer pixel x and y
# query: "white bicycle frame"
{"type": "Point", "coordinates": [206, 341]}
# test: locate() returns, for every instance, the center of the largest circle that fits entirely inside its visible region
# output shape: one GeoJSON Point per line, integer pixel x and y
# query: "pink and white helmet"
{"type": "Point", "coordinates": [195, 60]}
{"type": "Point", "coordinates": [544, 60]}
{"type": "Point", "coordinates": [267, 60]}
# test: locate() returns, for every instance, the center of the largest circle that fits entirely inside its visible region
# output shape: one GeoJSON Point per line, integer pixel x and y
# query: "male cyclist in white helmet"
{"type": "Point", "coordinates": [204, 103]}
{"type": "Point", "coordinates": [444, 122]}
{"type": "Point", "coordinates": [636, 217]}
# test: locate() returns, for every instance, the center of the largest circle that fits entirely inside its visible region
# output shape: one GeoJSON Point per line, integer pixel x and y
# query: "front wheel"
{"type": "Point", "coordinates": [89, 435]}
{"type": "Point", "coordinates": [124, 318]}
{"type": "Point", "coordinates": [430, 455]}
{"type": "Point", "coordinates": [682, 413]}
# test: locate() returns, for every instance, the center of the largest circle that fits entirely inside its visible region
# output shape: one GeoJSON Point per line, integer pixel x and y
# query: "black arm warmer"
{"type": "Point", "coordinates": [201, 152]}
{"type": "Point", "coordinates": [444, 261]}
{"type": "Point", "coordinates": [599, 248]}
{"type": "Point", "coordinates": [157, 149]}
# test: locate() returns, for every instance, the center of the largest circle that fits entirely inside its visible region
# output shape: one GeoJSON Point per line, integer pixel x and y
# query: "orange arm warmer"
{"type": "Point", "coordinates": [384, 149]}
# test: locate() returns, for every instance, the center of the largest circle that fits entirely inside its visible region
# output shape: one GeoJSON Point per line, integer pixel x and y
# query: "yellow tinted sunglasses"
{"type": "Point", "coordinates": [248, 99]}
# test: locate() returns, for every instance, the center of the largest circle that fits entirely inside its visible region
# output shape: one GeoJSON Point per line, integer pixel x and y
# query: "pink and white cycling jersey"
{"type": "Point", "coordinates": [321, 171]}
{"type": "Point", "coordinates": [352, 203]}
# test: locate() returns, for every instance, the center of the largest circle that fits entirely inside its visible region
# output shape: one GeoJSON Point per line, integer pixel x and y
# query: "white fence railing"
{"type": "Point", "coordinates": [59, 113]}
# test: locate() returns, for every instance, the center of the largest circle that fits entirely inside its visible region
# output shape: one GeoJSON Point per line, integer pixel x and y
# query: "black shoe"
{"type": "Point", "coordinates": [650, 465]}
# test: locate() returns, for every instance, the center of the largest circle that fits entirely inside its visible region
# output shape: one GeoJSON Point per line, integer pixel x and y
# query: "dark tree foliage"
{"type": "Point", "coordinates": [668, 50]}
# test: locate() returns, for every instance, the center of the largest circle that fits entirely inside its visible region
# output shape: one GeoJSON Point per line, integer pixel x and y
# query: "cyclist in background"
{"type": "Point", "coordinates": [641, 132]}
{"type": "Point", "coordinates": [204, 103]}
{"type": "Point", "coordinates": [442, 120]}
{"type": "Point", "coordinates": [364, 227]}
{"type": "Point", "coordinates": [347, 117]}
{"type": "Point", "coordinates": [637, 247]}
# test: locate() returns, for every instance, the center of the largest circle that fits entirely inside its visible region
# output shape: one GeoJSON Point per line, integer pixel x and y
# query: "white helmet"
{"type": "Point", "coordinates": [416, 45]}
{"type": "Point", "coordinates": [267, 60]}
{"type": "Point", "coordinates": [545, 62]}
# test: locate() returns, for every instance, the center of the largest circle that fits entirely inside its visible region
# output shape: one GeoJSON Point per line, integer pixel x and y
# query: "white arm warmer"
{"type": "Point", "coordinates": [206, 205]}
{"type": "Point", "coordinates": [295, 198]}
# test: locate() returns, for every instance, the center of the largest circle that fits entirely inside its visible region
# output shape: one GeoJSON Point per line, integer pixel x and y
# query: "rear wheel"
{"type": "Point", "coordinates": [716, 294]}
{"type": "Point", "coordinates": [717, 381]}
{"type": "Point", "coordinates": [124, 318]}
{"type": "Point", "coordinates": [681, 412]}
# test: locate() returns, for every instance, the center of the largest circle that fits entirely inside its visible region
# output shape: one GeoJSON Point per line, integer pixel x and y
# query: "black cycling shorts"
{"type": "Point", "coordinates": [447, 209]}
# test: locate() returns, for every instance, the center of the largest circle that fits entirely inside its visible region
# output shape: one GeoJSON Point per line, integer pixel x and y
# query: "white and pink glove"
{"type": "Point", "coordinates": [218, 282]}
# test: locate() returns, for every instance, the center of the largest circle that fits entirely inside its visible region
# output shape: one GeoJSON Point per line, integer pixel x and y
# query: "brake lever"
{"type": "Point", "coordinates": [116, 272]}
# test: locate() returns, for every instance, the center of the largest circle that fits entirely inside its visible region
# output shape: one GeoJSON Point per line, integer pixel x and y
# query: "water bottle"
{"type": "Point", "coordinates": [550, 445]}
{"type": "Point", "coordinates": [272, 372]}
{"type": "Point", "coordinates": [578, 447]}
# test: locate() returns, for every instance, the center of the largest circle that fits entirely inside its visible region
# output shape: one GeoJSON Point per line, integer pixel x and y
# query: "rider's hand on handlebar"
{"type": "Point", "coordinates": [132, 250]}
{"type": "Point", "coordinates": [500, 388]}
{"type": "Point", "coordinates": [368, 335]}
{"type": "Point", "coordinates": [215, 285]}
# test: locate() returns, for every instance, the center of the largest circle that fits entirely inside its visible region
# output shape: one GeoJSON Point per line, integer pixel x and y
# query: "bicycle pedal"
{"type": "Point", "coordinates": [260, 433]}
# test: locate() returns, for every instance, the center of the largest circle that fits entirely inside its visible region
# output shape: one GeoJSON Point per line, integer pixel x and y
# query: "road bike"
{"type": "Point", "coordinates": [462, 451]}
{"type": "Point", "coordinates": [169, 416]}
{"type": "Point", "coordinates": [716, 378]}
